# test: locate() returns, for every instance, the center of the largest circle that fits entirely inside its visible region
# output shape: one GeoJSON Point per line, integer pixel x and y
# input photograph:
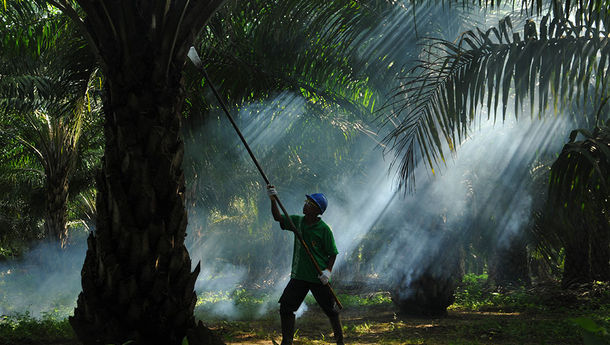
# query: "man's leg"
{"type": "Point", "coordinates": [291, 299]}
{"type": "Point", "coordinates": [327, 302]}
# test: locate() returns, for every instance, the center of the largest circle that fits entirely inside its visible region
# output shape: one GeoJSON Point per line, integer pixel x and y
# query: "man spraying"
{"type": "Point", "coordinates": [304, 276]}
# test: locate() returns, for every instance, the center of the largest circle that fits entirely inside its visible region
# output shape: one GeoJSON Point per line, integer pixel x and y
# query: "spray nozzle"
{"type": "Point", "coordinates": [194, 57]}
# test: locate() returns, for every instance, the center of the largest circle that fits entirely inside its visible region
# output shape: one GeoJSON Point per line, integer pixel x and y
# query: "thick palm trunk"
{"type": "Point", "coordinates": [137, 280]}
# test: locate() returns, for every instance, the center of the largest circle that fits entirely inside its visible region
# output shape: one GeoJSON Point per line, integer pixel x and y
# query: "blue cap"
{"type": "Point", "coordinates": [320, 200]}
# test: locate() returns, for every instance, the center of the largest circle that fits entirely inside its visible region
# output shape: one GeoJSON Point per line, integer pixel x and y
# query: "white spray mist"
{"type": "Point", "coordinates": [45, 281]}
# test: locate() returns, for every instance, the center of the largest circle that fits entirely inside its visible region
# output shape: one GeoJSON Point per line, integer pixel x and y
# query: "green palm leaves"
{"type": "Point", "coordinates": [308, 47]}
{"type": "Point", "coordinates": [578, 204]}
{"type": "Point", "coordinates": [580, 177]}
{"type": "Point", "coordinates": [46, 97]}
{"type": "Point", "coordinates": [549, 67]}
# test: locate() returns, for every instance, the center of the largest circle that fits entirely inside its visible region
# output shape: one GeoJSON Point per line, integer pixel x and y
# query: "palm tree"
{"type": "Point", "coordinates": [297, 63]}
{"type": "Point", "coordinates": [49, 143]}
{"type": "Point", "coordinates": [137, 279]}
{"type": "Point", "coordinates": [310, 48]}
{"type": "Point", "coordinates": [44, 89]}
{"type": "Point", "coordinates": [137, 282]}
{"type": "Point", "coordinates": [578, 201]}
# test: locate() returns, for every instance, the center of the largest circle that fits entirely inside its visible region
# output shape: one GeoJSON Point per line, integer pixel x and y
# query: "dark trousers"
{"type": "Point", "coordinates": [293, 296]}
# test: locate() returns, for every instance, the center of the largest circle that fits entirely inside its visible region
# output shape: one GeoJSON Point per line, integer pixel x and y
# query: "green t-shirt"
{"type": "Point", "coordinates": [319, 238]}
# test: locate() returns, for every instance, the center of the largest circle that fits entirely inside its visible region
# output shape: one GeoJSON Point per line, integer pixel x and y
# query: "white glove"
{"type": "Point", "coordinates": [324, 277]}
{"type": "Point", "coordinates": [271, 191]}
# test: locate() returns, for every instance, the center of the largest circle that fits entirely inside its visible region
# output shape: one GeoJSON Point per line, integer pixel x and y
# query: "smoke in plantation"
{"type": "Point", "coordinates": [240, 248]}
{"type": "Point", "coordinates": [230, 229]}
{"type": "Point", "coordinates": [292, 143]}
{"type": "Point", "coordinates": [487, 201]}
{"type": "Point", "coordinates": [47, 281]}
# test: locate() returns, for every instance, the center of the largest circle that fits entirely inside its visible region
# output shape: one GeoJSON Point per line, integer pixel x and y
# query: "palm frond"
{"type": "Point", "coordinates": [43, 59]}
{"type": "Point", "coordinates": [308, 47]}
{"type": "Point", "coordinates": [595, 13]}
{"type": "Point", "coordinates": [442, 95]}
{"type": "Point", "coordinates": [580, 177]}
{"type": "Point", "coordinates": [46, 101]}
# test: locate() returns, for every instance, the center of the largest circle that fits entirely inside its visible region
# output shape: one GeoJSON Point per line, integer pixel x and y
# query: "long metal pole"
{"type": "Point", "coordinates": [197, 62]}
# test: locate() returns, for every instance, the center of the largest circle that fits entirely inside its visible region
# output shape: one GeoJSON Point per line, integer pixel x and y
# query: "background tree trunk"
{"type": "Point", "coordinates": [56, 216]}
{"type": "Point", "coordinates": [577, 266]}
{"type": "Point", "coordinates": [509, 265]}
{"type": "Point", "coordinates": [431, 291]}
{"type": "Point", "coordinates": [600, 248]}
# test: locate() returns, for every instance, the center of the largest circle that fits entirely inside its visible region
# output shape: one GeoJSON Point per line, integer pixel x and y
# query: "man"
{"type": "Point", "coordinates": [304, 276]}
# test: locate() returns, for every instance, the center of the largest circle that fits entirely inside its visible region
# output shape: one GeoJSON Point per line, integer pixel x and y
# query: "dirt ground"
{"type": "Point", "coordinates": [382, 325]}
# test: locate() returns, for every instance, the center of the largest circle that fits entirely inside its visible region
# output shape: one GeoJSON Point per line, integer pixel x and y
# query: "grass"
{"type": "Point", "coordinates": [379, 298]}
{"type": "Point", "coordinates": [225, 305]}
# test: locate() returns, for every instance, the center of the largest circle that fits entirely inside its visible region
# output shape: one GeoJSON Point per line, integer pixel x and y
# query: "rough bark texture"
{"type": "Point", "coordinates": [137, 280]}
{"type": "Point", "coordinates": [57, 207]}
{"type": "Point", "coordinates": [137, 283]}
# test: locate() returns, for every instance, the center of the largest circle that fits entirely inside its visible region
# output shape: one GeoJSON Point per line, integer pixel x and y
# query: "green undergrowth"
{"type": "Point", "coordinates": [242, 304]}
{"type": "Point", "coordinates": [476, 294]}
{"type": "Point", "coordinates": [373, 299]}
{"type": "Point", "coordinates": [224, 305]}
{"type": "Point", "coordinates": [584, 313]}
{"type": "Point", "coordinates": [23, 328]}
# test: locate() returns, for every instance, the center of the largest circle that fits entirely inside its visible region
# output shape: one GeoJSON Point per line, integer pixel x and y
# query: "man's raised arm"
{"type": "Point", "coordinates": [275, 211]}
